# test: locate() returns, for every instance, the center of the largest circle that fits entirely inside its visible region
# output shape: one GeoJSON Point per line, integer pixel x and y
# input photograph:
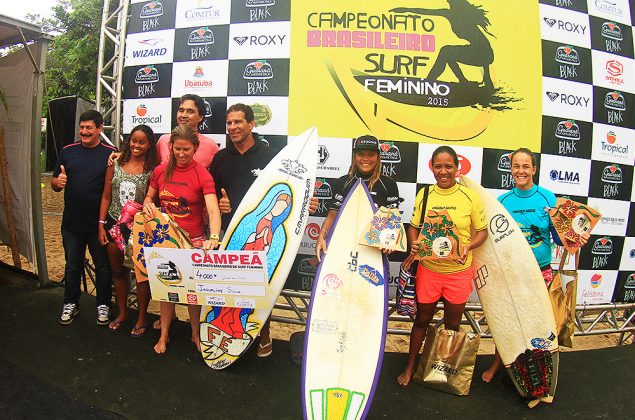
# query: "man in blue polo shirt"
{"type": "Point", "coordinates": [80, 171]}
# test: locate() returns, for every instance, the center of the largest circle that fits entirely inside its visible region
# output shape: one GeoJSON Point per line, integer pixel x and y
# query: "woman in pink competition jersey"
{"type": "Point", "coordinates": [124, 189]}
{"type": "Point", "coordinates": [184, 188]}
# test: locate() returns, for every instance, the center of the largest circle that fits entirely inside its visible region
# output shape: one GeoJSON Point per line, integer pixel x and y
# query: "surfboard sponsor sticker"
{"type": "Point", "coordinates": [371, 275]}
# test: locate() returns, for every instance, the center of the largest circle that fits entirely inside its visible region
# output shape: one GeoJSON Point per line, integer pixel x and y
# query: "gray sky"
{"type": "Point", "coordinates": [18, 9]}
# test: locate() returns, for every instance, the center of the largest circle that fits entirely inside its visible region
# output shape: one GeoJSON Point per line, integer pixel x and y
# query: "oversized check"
{"type": "Point", "coordinates": [197, 277]}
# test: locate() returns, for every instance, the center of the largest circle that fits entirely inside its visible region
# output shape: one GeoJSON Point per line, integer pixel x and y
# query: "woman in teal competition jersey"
{"type": "Point", "coordinates": [528, 204]}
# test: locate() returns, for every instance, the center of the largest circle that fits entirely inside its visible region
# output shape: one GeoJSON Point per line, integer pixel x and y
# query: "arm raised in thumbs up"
{"type": "Point", "coordinates": [59, 182]}
{"type": "Point", "coordinates": [223, 204]}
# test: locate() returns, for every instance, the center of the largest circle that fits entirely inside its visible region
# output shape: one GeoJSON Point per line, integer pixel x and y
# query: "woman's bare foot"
{"type": "Point", "coordinates": [162, 345]}
{"type": "Point", "coordinates": [488, 375]}
{"type": "Point", "coordinates": [404, 378]}
{"type": "Point", "coordinates": [197, 342]}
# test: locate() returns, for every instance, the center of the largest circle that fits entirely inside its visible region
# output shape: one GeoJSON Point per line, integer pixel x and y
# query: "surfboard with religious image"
{"type": "Point", "coordinates": [271, 217]}
{"type": "Point", "coordinates": [516, 303]}
{"type": "Point", "coordinates": [346, 326]}
{"type": "Point", "coordinates": [572, 220]}
{"type": "Point", "coordinates": [385, 230]}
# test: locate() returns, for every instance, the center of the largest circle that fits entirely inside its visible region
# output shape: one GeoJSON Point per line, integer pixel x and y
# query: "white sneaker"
{"type": "Point", "coordinates": [103, 315]}
{"type": "Point", "coordinates": [69, 311]}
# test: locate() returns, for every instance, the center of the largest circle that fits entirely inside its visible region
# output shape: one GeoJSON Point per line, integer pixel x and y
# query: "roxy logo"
{"type": "Point", "coordinates": [612, 174]}
{"type": "Point", "coordinates": [566, 177]}
{"type": "Point", "coordinates": [200, 36]}
{"type": "Point", "coordinates": [602, 246]}
{"type": "Point", "coordinates": [389, 152]}
{"type": "Point", "coordinates": [261, 40]}
{"type": "Point", "coordinates": [565, 25]}
{"type": "Point", "coordinates": [568, 130]}
{"type": "Point", "coordinates": [571, 100]}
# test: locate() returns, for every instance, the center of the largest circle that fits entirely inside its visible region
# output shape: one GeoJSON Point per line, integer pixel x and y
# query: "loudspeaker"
{"type": "Point", "coordinates": [62, 125]}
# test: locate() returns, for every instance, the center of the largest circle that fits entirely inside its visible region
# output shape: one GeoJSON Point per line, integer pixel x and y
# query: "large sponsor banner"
{"type": "Point", "coordinates": [447, 72]}
{"type": "Point", "coordinates": [555, 76]}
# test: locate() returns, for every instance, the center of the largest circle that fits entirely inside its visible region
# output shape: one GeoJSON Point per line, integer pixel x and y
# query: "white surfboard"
{"type": "Point", "coordinates": [346, 327]}
{"type": "Point", "coordinates": [516, 303]}
{"type": "Point", "coordinates": [271, 217]}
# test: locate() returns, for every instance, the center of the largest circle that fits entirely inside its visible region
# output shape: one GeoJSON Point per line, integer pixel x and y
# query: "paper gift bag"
{"type": "Point", "coordinates": [447, 361]}
{"type": "Point", "coordinates": [563, 294]}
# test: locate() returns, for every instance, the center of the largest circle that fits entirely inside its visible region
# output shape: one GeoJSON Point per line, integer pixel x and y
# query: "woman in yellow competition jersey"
{"type": "Point", "coordinates": [454, 210]}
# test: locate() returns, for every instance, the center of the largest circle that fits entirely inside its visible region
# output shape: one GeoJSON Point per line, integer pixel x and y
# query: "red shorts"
{"type": "Point", "coordinates": [547, 275]}
{"type": "Point", "coordinates": [454, 287]}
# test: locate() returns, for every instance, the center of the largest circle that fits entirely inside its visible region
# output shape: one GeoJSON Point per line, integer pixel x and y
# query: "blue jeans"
{"type": "Point", "coordinates": [74, 252]}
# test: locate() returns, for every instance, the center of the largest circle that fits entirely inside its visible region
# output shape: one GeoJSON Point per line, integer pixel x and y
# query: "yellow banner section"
{"type": "Point", "coordinates": [449, 72]}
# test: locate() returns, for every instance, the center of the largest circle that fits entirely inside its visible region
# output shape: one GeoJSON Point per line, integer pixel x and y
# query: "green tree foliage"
{"type": "Point", "coordinates": [72, 59]}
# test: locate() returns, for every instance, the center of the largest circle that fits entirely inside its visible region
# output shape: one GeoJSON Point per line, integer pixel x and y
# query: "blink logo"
{"type": "Point", "coordinates": [201, 36]}
{"type": "Point", "coordinates": [505, 163]}
{"type": "Point", "coordinates": [150, 14]}
{"type": "Point", "coordinates": [203, 126]}
{"type": "Point", "coordinates": [609, 7]}
{"type": "Point", "coordinates": [611, 30]}
{"type": "Point", "coordinates": [602, 246]}
{"type": "Point", "coordinates": [145, 79]}
{"type": "Point", "coordinates": [152, 9]}
{"type": "Point", "coordinates": [565, 26]}
{"type": "Point", "coordinates": [612, 174]}
{"type": "Point", "coordinates": [569, 59]}
{"type": "Point", "coordinates": [568, 130]}
{"type": "Point", "coordinates": [571, 100]}
{"type": "Point", "coordinates": [566, 177]}
{"type": "Point", "coordinates": [615, 100]}
{"type": "Point", "coordinates": [629, 288]}
{"type": "Point", "coordinates": [567, 55]}
{"type": "Point", "coordinates": [615, 104]}
{"type": "Point", "coordinates": [258, 73]}
{"type": "Point", "coordinates": [612, 34]}
{"type": "Point", "coordinates": [259, 9]}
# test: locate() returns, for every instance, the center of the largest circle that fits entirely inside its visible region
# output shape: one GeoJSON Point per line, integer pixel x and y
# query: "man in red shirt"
{"type": "Point", "coordinates": [191, 112]}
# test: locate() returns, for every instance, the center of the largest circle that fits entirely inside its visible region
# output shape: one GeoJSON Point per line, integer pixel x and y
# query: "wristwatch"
{"type": "Point", "coordinates": [214, 236]}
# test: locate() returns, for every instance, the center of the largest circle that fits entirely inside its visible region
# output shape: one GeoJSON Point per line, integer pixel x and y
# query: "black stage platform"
{"type": "Point", "coordinates": [86, 371]}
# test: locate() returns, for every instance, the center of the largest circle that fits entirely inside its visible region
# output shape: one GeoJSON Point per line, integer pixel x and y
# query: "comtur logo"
{"type": "Point", "coordinates": [596, 281]}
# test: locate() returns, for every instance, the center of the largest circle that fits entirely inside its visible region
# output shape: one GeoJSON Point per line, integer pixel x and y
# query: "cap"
{"type": "Point", "coordinates": [366, 143]}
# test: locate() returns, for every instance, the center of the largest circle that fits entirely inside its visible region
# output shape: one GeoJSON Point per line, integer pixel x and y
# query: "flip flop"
{"type": "Point", "coordinates": [116, 324]}
{"type": "Point", "coordinates": [296, 347]}
{"type": "Point", "coordinates": [264, 350]}
{"type": "Point", "coordinates": [135, 330]}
